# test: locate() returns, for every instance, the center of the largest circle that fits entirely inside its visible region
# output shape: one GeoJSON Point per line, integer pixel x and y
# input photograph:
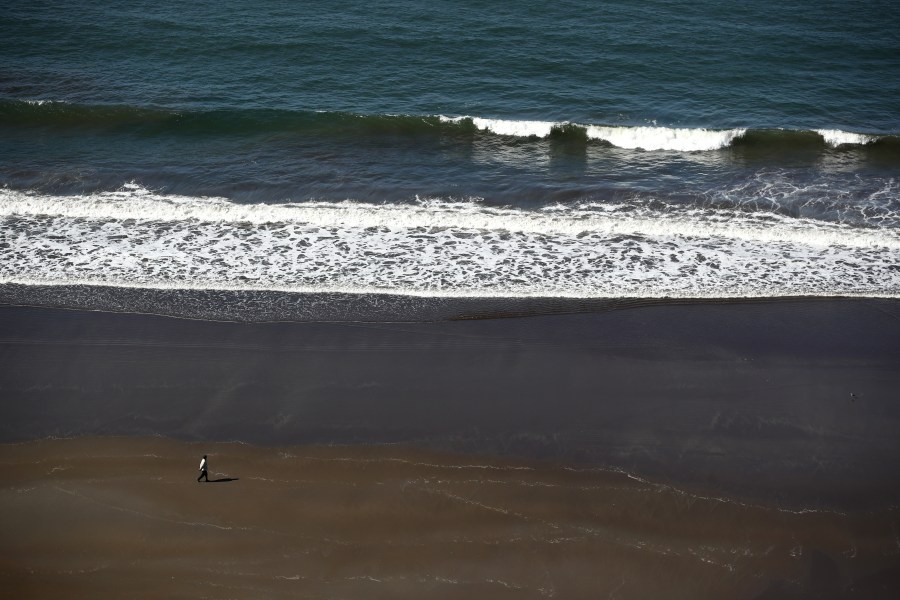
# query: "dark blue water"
{"type": "Point", "coordinates": [692, 129]}
{"type": "Point", "coordinates": [831, 65]}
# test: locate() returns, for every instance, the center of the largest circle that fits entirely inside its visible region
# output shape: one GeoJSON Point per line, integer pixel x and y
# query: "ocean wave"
{"type": "Point", "coordinates": [627, 137]}
{"type": "Point", "coordinates": [836, 137]}
{"type": "Point", "coordinates": [511, 128]}
{"type": "Point", "coordinates": [654, 138]}
{"type": "Point", "coordinates": [665, 138]}
{"type": "Point", "coordinates": [159, 121]}
{"type": "Point", "coordinates": [135, 237]}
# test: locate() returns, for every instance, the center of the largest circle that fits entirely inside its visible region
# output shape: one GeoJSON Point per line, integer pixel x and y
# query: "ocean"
{"type": "Point", "coordinates": [546, 149]}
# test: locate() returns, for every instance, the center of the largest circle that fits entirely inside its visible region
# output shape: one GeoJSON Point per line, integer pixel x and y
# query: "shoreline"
{"type": "Point", "coordinates": [85, 516]}
{"type": "Point", "coordinates": [271, 305]}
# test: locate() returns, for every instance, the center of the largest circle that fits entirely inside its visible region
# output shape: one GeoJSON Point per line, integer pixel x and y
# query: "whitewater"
{"type": "Point", "coordinates": [135, 237]}
{"type": "Point", "coordinates": [648, 138]}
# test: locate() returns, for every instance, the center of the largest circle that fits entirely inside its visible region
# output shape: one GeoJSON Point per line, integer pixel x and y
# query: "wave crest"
{"type": "Point", "coordinates": [156, 121]}
{"type": "Point", "coordinates": [836, 137]}
{"type": "Point", "coordinates": [665, 138]}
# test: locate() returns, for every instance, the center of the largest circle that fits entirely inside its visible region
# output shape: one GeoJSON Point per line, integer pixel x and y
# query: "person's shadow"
{"type": "Point", "coordinates": [224, 479]}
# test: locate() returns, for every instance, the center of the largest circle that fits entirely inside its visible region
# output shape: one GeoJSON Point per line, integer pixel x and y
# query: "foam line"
{"type": "Point", "coordinates": [515, 128]}
{"type": "Point", "coordinates": [134, 202]}
{"type": "Point", "coordinates": [836, 137]}
{"type": "Point", "coordinates": [665, 138]}
{"type": "Point", "coordinates": [434, 247]}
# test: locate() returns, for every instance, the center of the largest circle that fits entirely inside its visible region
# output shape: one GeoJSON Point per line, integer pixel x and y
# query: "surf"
{"type": "Point", "coordinates": [134, 237]}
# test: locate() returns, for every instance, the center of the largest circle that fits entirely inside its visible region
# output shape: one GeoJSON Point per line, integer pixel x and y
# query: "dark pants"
{"type": "Point", "coordinates": [203, 475]}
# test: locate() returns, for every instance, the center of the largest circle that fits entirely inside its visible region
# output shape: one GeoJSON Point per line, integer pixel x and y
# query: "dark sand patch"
{"type": "Point", "coordinates": [791, 401]}
{"type": "Point", "coordinates": [124, 517]}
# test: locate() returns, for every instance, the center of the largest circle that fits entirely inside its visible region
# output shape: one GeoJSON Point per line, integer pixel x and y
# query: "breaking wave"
{"type": "Point", "coordinates": [158, 121]}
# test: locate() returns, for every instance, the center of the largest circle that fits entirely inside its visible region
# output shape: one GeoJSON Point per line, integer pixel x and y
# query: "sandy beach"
{"type": "Point", "coordinates": [123, 516]}
{"type": "Point", "coordinates": [678, 450]}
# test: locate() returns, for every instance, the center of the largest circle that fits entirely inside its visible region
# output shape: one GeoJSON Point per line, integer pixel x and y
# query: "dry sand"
{"type": "Point", "coordinates": [124, 517]}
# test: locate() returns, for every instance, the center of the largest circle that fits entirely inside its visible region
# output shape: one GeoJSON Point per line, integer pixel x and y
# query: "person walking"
{"type": "Point", "coordinates": [204, 467]}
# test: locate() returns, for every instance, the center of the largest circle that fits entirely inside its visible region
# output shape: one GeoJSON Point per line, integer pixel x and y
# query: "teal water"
{"type": "Point", "coordinates": [831, 65]}
{"type": "Point", "coordinates": [537, 129]}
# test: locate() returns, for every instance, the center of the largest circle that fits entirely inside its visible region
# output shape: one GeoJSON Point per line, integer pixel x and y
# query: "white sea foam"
{"type": "Point", "coordinates": [139, 204]}
{"type": "Point", "coordinates": [43, 102]}
{"type": "Point", "coordinates": [636, 138]}
{"type": "Point", "coordinates": [539, 129]}
{"type": "Point", "coordinates": [836, 137]}
{"type": "Point", "coordinates": [665, 138]}
{"type": "Point", "coordinates": [138, 238]}
{"type": "Point", "coordinates": [655, 138]}
{"type": "Point", "coordinates": [515, 128]}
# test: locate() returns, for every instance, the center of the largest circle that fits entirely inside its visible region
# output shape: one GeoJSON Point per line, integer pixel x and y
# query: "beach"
{"type": "Point", "coordinates": [104, 517]}
{"type": "Point", "coordinates": [714, 449]}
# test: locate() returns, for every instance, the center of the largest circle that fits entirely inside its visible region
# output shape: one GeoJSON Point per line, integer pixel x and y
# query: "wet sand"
{"type": "Point", "coordinates": [792, 402]}
{"type": "Point", "coordinates": [123, 516]}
